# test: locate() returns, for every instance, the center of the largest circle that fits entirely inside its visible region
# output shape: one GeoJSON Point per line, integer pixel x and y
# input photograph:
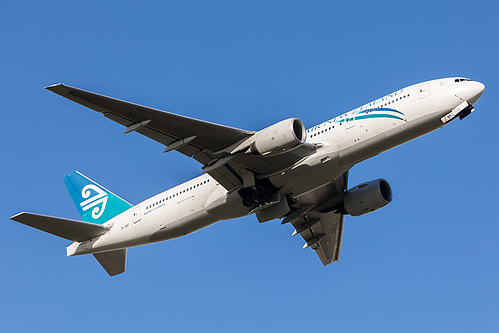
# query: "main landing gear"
{"type": "Point", "coordinates": [263, 193]}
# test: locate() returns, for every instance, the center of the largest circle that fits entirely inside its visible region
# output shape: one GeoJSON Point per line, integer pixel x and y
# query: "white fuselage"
{"type": "Point", "coordinates": [342, 142]}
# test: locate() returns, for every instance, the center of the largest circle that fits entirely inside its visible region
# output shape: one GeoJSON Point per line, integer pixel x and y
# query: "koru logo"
{"type": "Point", "coordinates": [99, 198]}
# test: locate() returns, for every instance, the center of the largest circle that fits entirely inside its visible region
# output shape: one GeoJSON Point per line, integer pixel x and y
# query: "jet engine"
{"type": "Point", "coordinates": [284, 136]}
{"type": "Point", "coordinates": [367, 197]}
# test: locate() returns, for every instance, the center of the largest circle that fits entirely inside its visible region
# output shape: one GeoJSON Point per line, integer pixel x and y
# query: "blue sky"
{"type": "Point", "coordinates": [426, 262]}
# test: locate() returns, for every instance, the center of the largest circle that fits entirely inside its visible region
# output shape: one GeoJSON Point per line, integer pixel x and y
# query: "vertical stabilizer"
{"type": "Point", "coordinates": [95, 203]}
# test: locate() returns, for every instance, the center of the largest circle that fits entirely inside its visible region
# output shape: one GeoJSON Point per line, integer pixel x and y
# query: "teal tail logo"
{"type": "Point", "coordinates": [95, 203]}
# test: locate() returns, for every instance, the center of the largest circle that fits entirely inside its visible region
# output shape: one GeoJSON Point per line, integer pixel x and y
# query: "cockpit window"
{"type": "Point", "coordinates": [461, 80]}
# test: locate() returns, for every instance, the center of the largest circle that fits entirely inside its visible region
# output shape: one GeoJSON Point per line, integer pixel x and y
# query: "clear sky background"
{"type": "Point", "coordinates": [425, 263]}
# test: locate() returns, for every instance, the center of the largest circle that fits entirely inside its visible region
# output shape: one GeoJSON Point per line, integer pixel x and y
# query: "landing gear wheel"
{"type": "Point", "coordinates": [259, 195]}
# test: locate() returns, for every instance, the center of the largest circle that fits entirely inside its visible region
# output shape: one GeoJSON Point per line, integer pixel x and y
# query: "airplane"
{"type": "Point", "coordinates": [283, 171]}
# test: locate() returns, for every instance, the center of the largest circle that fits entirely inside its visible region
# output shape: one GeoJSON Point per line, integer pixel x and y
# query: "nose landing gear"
{"type": "Point", "coordinates": [462, 111]}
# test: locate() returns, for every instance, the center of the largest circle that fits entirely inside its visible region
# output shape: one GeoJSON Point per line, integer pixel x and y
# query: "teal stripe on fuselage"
{"type": "Point", "coordinates": [372, 115]}
{"type": "Point", "coordinates": [367, 116]}
{"type": "Point", "coordinates": [383, 109]}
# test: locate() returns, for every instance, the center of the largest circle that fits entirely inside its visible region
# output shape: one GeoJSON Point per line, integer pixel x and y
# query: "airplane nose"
{"type": "Point", "coordinates": [479, 88]}
{"type": "Point", "coordinates": [470, 91]}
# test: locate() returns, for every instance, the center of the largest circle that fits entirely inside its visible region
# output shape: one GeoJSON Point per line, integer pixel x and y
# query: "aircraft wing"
{"type": "Point", "coordinates": [318, 221]}
{"type": "Point", "coordinates": [164, 127]}
{"type": "Point", "coordinates": [324, 237]}
{"type": "Point", "coordinates": [206, 142]}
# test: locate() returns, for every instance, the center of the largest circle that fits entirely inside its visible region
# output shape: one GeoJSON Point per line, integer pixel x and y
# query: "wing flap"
{"type": "Point", "coordinates": [321, 226]}
{"type": "Point", "coordinates": [74, 230]}
{"type": "Point", "coordinates": [328, 248]}
{"type": "Point", "coordinates": [328, 231]}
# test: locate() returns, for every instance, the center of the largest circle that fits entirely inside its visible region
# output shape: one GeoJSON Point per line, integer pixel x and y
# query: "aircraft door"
{"type": "Point", "coordinates": [136, 214]}
{"type": "Point", "coordinates": [424, 90]}
{"type": "Point", "coordinates": [349, 122]}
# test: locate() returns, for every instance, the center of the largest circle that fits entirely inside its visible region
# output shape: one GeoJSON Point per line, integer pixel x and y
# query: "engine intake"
{"type": "Point", "coordinates": [367, 197]}
{"type": "Point", "coordinates": [284, 136]}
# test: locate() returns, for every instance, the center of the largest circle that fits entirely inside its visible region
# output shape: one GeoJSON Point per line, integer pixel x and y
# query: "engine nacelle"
{"type": "Point", "coordinates": [367, 197]}
{"type": "Point", "coordinates": [284, 136]}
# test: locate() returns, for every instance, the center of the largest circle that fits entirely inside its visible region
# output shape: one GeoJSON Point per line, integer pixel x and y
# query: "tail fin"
{"type": "Point", "coordinates": [95, 203]}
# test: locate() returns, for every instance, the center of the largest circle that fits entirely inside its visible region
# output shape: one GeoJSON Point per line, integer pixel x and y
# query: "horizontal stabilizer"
{"type": "Point", "coordinates": [69, 229]}
{"type": "Point", "coordinates": [114, 262]}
